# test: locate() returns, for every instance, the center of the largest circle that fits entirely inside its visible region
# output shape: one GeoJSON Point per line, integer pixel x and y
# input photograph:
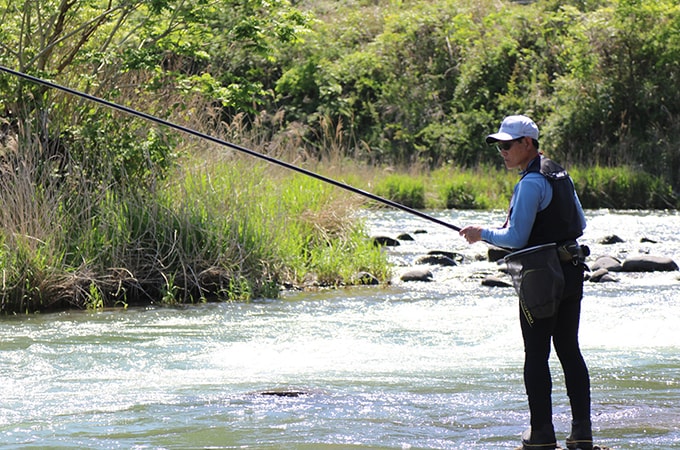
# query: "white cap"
{"type": "Point", "coordinates": [514, 127]}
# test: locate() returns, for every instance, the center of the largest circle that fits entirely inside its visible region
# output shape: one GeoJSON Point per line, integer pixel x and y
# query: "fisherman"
{"type": "Point", "coordinates": [544, 209]}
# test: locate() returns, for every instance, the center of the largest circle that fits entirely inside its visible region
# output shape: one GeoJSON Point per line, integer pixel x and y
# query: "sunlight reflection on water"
{"type": "Point", "coordinates": [418, 365]}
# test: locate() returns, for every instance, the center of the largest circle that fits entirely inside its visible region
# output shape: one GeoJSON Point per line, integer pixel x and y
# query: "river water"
{"type": "Point", "coordinates": [408, 366]}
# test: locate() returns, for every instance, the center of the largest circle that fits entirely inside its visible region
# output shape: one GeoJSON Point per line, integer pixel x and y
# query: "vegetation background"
{"type": "Point", "coordinates": [395, 96]}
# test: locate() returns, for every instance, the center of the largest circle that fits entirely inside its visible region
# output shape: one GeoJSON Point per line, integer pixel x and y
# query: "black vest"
{"type": "Point", "coordinates": [558, 222]}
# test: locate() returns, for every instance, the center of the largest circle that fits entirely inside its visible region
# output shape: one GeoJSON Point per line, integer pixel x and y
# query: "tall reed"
{"type": "Point", "coordinates": [219, 227]}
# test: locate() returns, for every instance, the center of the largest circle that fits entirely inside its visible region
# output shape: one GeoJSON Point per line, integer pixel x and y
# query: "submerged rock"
{"type": "Point", "coordinates": [283, 393]}
{"type": "Point", "coordinates": [595, 447]}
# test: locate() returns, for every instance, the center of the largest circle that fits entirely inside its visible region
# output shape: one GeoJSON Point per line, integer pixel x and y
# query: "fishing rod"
{"type": "Point", "coordinates": [239, 148]}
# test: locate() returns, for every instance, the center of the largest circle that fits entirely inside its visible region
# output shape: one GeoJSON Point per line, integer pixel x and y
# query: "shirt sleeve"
{"type": "Point", "coordinates": [532, 194]}
{"type": "Point", "coordinates": [581, 214]}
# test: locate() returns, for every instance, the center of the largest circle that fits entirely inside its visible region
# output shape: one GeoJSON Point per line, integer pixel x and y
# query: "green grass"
{"type": "Point", "coordinates": [482, 188]}
{"type": "Point", "coordinates": [404, 189]}
{"type": "Point", "coordinates": [622, 188]}
{"type": "Point", "coordinates": [229, 229]}
{"type": "Point", "coordinates": [486, 188]}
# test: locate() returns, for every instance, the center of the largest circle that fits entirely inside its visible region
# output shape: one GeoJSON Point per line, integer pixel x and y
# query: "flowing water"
{"type": "Point", "coordinates": [409, 366]}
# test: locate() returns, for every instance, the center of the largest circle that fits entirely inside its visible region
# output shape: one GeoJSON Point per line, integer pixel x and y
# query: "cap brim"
{"type": "Point", "coordinates": [490, 139]}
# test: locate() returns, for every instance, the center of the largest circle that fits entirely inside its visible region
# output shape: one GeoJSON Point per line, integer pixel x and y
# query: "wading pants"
{"type": "Point", "coordinates": [562, 329]}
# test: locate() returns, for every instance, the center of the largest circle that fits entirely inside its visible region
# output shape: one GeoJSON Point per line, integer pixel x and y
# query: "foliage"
{"type": "Point", "coordinates": [411, 82]}
{"type": "Point", "coordinates": [151, 55]}
{"type": "Point", "coordinates": [218, 229]}
{"type": "Point", "coordinates": [479, 189]}
{"type": "Point", "coordinates": [425, 81]}
{"type": "Point", "coordinates": [491, 188]}
{"type": "Point", "coordinates": [98, 208]}
{"type": "Point", "coordinates": [404, 189]}
{"type": "Point", "coordinates": [622, 188]}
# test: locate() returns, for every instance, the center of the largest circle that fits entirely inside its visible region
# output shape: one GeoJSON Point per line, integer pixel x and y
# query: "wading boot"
{"type": "Point", "coordinates": [581, 436]}
{"type": "Point", "coordinates": [539, 439]}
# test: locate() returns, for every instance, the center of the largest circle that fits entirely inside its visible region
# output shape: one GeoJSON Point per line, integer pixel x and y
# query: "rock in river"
{"type": "Point", "coordinates": [648, 263]}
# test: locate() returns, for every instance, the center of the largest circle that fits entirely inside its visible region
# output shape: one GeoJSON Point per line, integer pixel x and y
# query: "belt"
{"type": "Point", "coordinates": [572, 252]}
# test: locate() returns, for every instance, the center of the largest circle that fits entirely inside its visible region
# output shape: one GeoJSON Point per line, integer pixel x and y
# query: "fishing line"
{"type": "Point", "coordinates": [239, 148]}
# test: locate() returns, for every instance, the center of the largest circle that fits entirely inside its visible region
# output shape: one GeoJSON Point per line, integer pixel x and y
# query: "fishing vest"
{"type": "Point", "coordinates": [559, 222]}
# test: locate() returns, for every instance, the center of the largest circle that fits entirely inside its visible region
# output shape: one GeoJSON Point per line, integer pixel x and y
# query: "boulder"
{"type": "Point", "coordinates": [649, 263]}
{"type": "Point", "coordinates": [492, 281]}
{"type": "Point", "coordinates": [611, 239]}
{"type": "Point", "coordinates": [436, 260]}
{"type": "Point", "coordinates": [606, 262]}
{"type": "Point", "coordinates": [607, 278]}
{"type": "Point", "coordinates": [495, 253]}
{"type": "Point", "coordinates": [601, 276]}
{"type": "Point", "coordinates": [453, 255]}
{"type": "Point", "coordinates": [405, 237]}
{"type": "Point", "coordinates": [385, 241]}
{"type": "Point", "coordinates": [417, 275]}
{"type": "Point", "coordinates": [366, 279]}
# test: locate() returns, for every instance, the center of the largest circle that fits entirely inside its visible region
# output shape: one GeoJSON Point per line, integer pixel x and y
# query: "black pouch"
{"type": "Point", "coordinates": [538, 279]}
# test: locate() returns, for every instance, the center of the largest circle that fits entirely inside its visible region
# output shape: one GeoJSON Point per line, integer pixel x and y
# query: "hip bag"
{"type": "Point", "coordinates": [538, 280]}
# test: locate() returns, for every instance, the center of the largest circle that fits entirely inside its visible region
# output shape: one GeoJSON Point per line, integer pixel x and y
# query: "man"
{"type": "Point", "coordinates": [544, 208]}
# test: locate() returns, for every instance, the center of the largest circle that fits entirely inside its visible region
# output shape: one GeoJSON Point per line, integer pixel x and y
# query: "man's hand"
{"type": "Point", "coordinates": [472, 233]}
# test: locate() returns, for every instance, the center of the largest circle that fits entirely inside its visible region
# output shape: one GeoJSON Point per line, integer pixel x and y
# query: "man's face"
{"type": "Point", "coordinates": [517, 153]}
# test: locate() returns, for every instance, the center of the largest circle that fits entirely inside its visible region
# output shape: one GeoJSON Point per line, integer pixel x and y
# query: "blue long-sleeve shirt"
{"type": "Point", "coordinates": [532, 194]}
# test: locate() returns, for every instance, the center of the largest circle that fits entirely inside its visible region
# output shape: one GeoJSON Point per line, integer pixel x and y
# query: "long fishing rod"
{"type": "Point", "coordinates": [192, 132]}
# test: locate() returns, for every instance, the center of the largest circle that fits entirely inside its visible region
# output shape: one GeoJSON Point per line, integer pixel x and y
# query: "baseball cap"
{"type": "Point", "coordinates": [514, 127]}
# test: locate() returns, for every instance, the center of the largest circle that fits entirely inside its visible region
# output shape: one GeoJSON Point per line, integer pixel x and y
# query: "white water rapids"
{"type": "Point", "coordinates": [409, 366]}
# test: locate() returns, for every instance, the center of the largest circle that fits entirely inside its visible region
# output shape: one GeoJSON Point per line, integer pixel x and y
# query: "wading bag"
{"type": "Point", "coordinates": [538, 279]}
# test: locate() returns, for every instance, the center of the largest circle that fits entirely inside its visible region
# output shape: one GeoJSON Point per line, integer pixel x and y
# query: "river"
{"type": "Point", "coordinates": [407, 366]}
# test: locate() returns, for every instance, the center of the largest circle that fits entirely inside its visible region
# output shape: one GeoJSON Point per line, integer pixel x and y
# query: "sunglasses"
{"type": "Point", "coordinates": [506, 145]}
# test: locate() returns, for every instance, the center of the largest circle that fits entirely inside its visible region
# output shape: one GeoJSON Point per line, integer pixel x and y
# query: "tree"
{"type": "Point", "coordinates": [160, 56]}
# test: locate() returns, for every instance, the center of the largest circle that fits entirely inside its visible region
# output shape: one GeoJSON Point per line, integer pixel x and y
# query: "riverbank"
{"type": "Point", "coordinates": [217, 228]}
{"type": "Point", "coordinates": [223, 227]}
